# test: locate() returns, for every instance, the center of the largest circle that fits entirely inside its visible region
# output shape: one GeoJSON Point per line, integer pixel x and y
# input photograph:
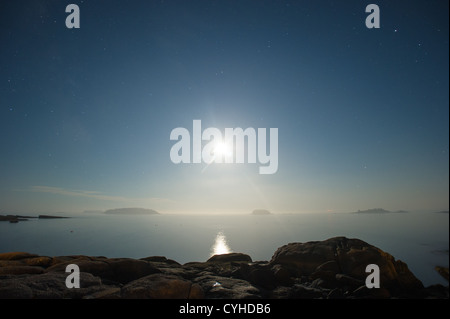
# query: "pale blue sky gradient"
{"type": "Point", "coordinates": [86, 114]}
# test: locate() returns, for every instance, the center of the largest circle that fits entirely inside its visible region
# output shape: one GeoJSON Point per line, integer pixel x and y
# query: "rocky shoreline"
{"type": "Point", "coordinates": [329, 269]}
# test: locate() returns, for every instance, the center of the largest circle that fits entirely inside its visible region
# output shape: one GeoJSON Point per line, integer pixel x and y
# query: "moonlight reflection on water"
{"type": "Point", "coordinates": [220, 246]}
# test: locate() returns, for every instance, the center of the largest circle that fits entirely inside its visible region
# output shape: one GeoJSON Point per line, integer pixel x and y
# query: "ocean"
{"type": "Point", "coordinates": [419, 239]}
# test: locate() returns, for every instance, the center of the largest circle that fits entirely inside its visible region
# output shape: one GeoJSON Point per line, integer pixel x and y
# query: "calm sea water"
{"type": "Point", "coordinates": [419, 239]}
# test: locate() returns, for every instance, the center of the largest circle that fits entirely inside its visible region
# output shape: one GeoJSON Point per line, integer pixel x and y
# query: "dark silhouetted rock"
{"type": "Point", "coordinates": [107, 293]}
{"type": "Point", "coordinates": [48, 286]}
{"type": "Point", "coordinates": [41, 261]}
{"type": "Point", "coordinates": [436, 292]}
{"type": "Point", "coordinates": [125, 270]}
{"type": "Point", "coordinates": [51, 217]}
{"type": "Point", "coordinates": [160, 286]}
{"type": "Point", "coordinates": [230, 257]}
{"type": "Point", "coordinates": [443, 271]}
{"type": "Point", "coordinates": [349, 282]}
{"type": "Point", "coordinates": [263, 277]}
{"type": "Point", "coordinates": [336, 293]}
{"type": "Point", "coordinates": [160, 259]}
{"type": "Point", "coordinates": [16, 256]}
{"type": "Point", "coordinates": [20, 270]}
{"type": "Point", "coordinates": [304, 258]}
{"type": "Point", "coordinates": [331, 265]}
{"type": "Point", "coordinates": [282, 275]}
{"type": "Point", "coordinates": [13, 218]}
{"type": "Point", "coordinates": [217, 287]}
{"type": "Point", "coordinates": [299, 291]}
{"type": "Point", "coordinates": [349, 257]}
{"type": "Point", "coordinates": [94, 267]}
{"type": "Point", "coordinates": [366, 293]}
{"type": "Point", "coordinates": [121, 270]}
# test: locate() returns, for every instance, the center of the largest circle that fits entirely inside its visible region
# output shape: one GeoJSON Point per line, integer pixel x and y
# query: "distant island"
{"type": "Point", "coordinates": [132, 211]}
{"type": "Point", "coordinates": [19, 218]}
{"type": "Point", "coordinates": [377, 211]}
{"type": "Point", "coordinates": [261, 212]}
{"type": "Point", "coordinates": [13, 218]}
{"type": "Point", "coordinates": [50, 217]}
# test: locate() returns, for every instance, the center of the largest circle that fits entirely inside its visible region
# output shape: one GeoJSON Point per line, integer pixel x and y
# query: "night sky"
{"type": "Point", "coordinates": [86, 114]}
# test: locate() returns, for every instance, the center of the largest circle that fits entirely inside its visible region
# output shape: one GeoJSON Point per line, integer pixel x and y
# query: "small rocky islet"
{"type": "Point", "coordinates": [18, 218]}
{"type": "Point", "coordinates": [329, 269]}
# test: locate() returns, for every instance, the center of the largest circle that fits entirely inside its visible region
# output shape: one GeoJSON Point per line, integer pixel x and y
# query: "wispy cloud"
{"type": "Point", "coordinates": [93, 194]}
